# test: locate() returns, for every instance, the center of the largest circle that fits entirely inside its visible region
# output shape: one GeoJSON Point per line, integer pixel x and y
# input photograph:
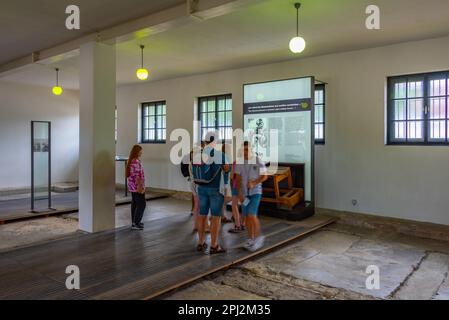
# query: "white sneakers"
{"type": "Point", "coordinates": [249, 244]}
{"type": "Point", "coordinates": [254, 245]}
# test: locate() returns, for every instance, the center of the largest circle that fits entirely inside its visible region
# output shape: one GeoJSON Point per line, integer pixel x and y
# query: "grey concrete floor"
{"type": "Point", "coordinates": [329, 264]}
{"type": "Point", "coordinates": [332, 264]}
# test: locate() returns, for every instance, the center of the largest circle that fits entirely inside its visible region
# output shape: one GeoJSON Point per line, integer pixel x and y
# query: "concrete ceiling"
{"type": "Point", "coordinates": [258, 34]}
{"type": "Point", "coordinates": [27, 26]}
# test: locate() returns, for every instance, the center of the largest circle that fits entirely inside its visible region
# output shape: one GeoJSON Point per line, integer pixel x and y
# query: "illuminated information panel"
{"type": "Point", "coordinates": [285, 106]}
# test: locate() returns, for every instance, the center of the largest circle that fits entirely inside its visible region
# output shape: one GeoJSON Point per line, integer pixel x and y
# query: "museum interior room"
{"type": "Point", "coordinates": [342, 105]}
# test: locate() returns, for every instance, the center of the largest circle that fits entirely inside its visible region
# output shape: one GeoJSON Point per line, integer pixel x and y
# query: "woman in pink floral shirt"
{"type": "Point", "coordinates": [136, 185]}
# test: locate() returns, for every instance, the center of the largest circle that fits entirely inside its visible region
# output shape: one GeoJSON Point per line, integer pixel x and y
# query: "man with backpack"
{"type": "Point", "coordinates": [207, 175]}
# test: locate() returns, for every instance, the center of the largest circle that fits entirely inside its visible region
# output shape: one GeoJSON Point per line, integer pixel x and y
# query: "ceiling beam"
{"type": "Point", "coordinates": [190, 10]}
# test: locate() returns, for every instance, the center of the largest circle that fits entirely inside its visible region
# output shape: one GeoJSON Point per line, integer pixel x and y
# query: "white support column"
{"type": "Point", "coordinates": [97, 142]}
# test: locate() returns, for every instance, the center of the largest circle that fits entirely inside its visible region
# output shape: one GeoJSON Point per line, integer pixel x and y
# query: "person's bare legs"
{"type": "Point", "coordinates": [243, 220]}
{"type": "Point", "coordinates": [201, 223]}
{"type": "Point", "coordinates": [207, 225]}
{"type": "Point", "coordinates": [235, 211]}
{"type": "Point", "coordinates": [253, 225]}
{"type": "Point", "coordinates": [256, 227]}
{"type": "Point", "coordinates": [196, 211]}
{"type": "Point", "coordinates": [249, 227]}
{"type": "Point", "coordinates": [214, 230]}
{"type": "Point", "coordinates": [223, 214]}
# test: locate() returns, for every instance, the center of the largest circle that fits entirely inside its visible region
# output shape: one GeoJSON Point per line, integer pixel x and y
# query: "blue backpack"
{"type": "Point", "coordinates": [206, 173]}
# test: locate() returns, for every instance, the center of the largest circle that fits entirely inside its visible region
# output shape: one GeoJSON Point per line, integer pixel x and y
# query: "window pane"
{"type": "Point", "coordinates": [228, 133]}
{"type": "Point", "coordinates": [437, 108]}
{"type": "Point", "coordinates": [203, 105]}
{"type": "Point", "coordinates": [159, 134]}
{"type": "Point", "coordinates": [146, 122]}
{"type": "Point", "coordinates": [152, 110]}
{"type": "Point", "coordinates": [437, 87]}
{"type": "Point", "coordinates": [229, 104]}
{"type": "Point", "coordinates": [221, 119]}
{"type": "Point", "coordinates": [319, 97]}
{"type": "Point", "coordinates": [415, 89]}
{"type": "Point", "coordinates": [151, 122]}
{"type": "Point", "coordinates": [222, 133]}
{"type": "Point", "coordinates": [221, 104]}
{"type": "Point", "coordinates": [146, 135]}
{"type": "Point", "coordinates": [319, 131]}
{"type": "Point", "coordinates": [415, 130]}
{"type": "Point", "coordinates": [211, 119]}
{"type": "Point", "coordinates": [145, 111]}
{"type": "Point", "coordinates": [415, 109]}
{"type": "Point", "coordinates": [399, 90]}
{"type": "Point", "coordinates": [400, 110]}
{"type": "Point", "coordinates": [399, 130]}
{"type": "Point", "coordinates": [203, 119]}
{"type": "Point", "coordinates": [319, 116]}
{"type": "Point", "coordinates": [229, 119]}
{"type": "Point", "coordinates": [437, 130]}
{"type": "Point", "coordinates": [211, 105]}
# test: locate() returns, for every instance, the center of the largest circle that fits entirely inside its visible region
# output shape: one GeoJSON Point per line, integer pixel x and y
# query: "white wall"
{"type": "Point", "coordinates": [396, 181]}
{"type": "Point", "coordinates": [19, 105]}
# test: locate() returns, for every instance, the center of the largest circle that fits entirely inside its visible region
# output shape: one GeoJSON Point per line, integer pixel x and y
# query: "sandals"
{"type": "Point", "coordinates": [218, 249]}
{"type": "Point", "coordinates": [226, 220]}
{"type": "Point", "coordinates": [235, 230]}
{"type": "Point", "coordinates": [201, 247]}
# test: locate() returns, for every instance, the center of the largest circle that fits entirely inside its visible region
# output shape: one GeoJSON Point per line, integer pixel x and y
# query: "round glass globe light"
{"type": "Point", "coordinates": [57, 91]}
{"type": "Point", "coordinates": [142, 74]}
{"type": "Point", "coordinates": [297, 44]}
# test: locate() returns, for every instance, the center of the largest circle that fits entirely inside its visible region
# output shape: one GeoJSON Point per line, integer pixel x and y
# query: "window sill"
{"type": "Point", "coordinates": [418, 144]}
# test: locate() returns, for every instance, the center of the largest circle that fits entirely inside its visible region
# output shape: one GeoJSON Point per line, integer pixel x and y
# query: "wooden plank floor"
{"type": "Point", "coordinates": [124, 264]}
{"type": "Point", "coordinates": [18, 209]}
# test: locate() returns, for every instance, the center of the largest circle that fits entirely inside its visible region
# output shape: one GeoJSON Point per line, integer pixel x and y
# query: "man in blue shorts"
{"type": "Point", "coordinates": [252, 173]}
{"type": "Point", "coordinates": [207, 176]}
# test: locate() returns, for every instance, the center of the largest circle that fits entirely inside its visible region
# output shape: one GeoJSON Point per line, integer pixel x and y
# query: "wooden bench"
{"type": "Point", "coordinates": [285, 198]}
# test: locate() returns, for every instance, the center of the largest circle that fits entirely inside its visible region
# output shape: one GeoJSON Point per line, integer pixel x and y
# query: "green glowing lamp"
{"type": "Point", "coordinates": [142, 73]}
{"type": "Point", "coordinates": [57, 90]}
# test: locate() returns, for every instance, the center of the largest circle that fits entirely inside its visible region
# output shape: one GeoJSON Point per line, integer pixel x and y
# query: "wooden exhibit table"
{"type": "Point", "coordinates": [284, 197]}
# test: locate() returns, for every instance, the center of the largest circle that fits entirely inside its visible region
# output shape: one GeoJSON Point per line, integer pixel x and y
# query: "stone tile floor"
{"type": "Point", "coordinates": [332, 264]}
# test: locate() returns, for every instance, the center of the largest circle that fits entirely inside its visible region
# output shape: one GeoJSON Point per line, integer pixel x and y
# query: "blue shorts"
{"type": "Point", "coordinates": [210, 199]}
{"type": "Point", "coordinates": [252, 209]}
{"type": "Point", "coordinates": [235, 192]}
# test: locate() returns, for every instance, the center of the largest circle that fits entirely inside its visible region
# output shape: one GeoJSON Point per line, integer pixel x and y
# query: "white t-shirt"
{"type": "Point", "coordinates": [249, 172]}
